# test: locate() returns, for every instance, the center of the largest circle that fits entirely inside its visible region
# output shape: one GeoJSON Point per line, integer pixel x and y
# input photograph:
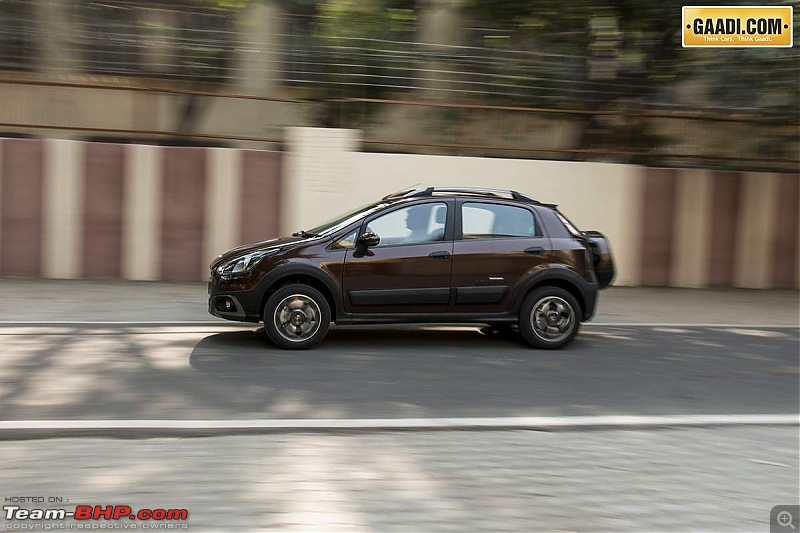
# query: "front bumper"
{"type": "Point", "coordinates": [234, 300]}
{"type": "Point", "coordinates": [227, 307]}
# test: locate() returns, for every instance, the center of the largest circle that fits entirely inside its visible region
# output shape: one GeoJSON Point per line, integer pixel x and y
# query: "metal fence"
{"type": "Point", "coordinates": [178, 57]}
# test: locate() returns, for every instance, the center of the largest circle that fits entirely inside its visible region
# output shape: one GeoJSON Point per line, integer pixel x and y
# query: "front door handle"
{"type": "Point", "coordinates": [439, 255]}
{"type": "Point", "coordinates": [534, 250]}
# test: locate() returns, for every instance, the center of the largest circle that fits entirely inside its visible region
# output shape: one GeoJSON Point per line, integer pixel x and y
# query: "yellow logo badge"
{"type": "Point", "coordinates": [710, 27]}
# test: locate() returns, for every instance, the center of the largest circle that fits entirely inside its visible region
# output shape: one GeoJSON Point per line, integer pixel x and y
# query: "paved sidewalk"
{"type": "Point", "coordinates": [56, 300]}
{"type": "Point", "coordinates": [725, 479]}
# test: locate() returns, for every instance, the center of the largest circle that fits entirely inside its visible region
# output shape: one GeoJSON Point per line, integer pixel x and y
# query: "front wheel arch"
{"type": "Point", "coordinates": [303, 279]}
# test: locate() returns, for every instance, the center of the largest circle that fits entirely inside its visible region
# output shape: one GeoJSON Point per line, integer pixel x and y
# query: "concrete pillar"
{"type": "Point", "coordinates": [159, 54]}
{"type": "Point", "coordinates": [441, 24]}
{"type": "Point", "coordinates": [319, 177]}
{"type": "Point", "coordinates": [57, 36]}
{"type": "Point", "coordinates": [257, 61]}
{"type": "Point", "coordinates": [62, 216]}
{"type": "Point", "coordinates": [57, 33]}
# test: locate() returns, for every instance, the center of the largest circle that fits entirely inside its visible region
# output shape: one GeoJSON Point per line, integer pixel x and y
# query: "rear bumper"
{"type": "Point", "coordinates": [589, 294]}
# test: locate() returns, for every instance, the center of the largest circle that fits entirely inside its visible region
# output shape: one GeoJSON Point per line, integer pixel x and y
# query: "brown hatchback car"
{"type": "Point", "coordinates": [436, 254]}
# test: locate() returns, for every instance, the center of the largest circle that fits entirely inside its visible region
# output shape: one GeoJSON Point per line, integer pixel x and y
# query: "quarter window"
{"type": "Point", "coordinates": [346, 242]}
{"type": "Point", "coordinates": [481, 221]}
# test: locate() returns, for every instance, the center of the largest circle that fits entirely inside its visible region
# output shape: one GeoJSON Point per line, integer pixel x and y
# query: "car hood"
{"type": "Point", "coordinates": [261, 245]}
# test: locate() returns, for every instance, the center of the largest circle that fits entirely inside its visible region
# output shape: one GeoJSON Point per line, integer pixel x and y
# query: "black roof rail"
{"type": "Point", "coordinates": [401, 193]}
{"type": "Point", "coordinates": [478, 191]}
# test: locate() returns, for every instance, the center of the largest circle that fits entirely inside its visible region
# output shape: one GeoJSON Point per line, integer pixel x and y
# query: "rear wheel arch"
{"type": "Point", "coordinates": [560, 281]}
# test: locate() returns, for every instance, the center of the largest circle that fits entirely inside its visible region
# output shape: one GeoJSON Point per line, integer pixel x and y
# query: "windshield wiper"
{"type": "Point", "coordinates": [304, 233]}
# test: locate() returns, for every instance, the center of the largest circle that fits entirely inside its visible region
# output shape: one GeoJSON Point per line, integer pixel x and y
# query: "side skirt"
{"type": "Point", "coordinates": [425, 318]}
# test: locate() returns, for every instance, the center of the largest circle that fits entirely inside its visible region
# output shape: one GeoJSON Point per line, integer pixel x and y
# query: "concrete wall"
{"type": "Point", "coordinates": [668, 227]}
{"type": "Point", "coordinates": [92, 210]}
{"type": "Point", "coordinates": [140, 111]}
{"type": "Point", "coordinates": [71, 209]}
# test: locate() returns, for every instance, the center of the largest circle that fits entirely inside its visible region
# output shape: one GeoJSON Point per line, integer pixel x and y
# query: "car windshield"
{"type": "Point", "coordinates": [343, 220]}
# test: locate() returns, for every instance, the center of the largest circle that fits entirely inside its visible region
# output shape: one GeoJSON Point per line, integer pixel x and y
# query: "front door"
{"type": "Point", "coordinates": [409, 270]}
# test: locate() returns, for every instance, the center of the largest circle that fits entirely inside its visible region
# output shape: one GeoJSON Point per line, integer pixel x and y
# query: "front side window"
{"type": "Point", "coordinates": [411, 225]}
{"type": "Point", "coordinates": [482, 221]}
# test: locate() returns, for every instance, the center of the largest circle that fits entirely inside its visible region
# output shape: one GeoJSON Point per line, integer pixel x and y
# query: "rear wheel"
{"type": "Point", "coordinates": [549, 318]}
{"type": "Point", "coordinates": [296, 317]}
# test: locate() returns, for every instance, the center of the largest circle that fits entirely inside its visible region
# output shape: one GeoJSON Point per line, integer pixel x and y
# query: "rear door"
{"type": "Point", "coordinates": [495, 245]}
{"type": "Point", "coordinates": [409, 271]}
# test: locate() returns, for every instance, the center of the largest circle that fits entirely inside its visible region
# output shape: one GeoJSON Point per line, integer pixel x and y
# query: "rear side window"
{"type": "Point", "coordinates": [484, 220]}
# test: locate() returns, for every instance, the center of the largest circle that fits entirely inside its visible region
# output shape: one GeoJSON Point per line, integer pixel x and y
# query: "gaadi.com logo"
{"type": "Point", "coordinates": [729, 26]}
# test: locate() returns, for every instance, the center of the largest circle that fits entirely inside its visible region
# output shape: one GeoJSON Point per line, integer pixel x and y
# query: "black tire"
{"type": "Point", "coordinates": [550, 298]}
{"type": "Point", "coordinates": [312, 310]}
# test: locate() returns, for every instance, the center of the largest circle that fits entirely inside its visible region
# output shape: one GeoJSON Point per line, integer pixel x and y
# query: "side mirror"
{"type": "Point", "coordinates": [369, 239]}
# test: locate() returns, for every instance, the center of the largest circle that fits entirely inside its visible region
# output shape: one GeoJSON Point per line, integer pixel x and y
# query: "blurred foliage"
{"type": "Point", "coordinates": [366, 19]}
{"type": "Point", "coordinates": [633, 59]}
{"type": "Point", "coordinates": [356, 48]}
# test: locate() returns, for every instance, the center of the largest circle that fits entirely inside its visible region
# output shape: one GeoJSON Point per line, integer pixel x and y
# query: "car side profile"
{"type": "Point", "coordinates": [435, 254]}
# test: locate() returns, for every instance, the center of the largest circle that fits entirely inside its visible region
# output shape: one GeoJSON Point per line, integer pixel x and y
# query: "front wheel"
{"type": "Point", "coordinates": [549, 318]}
{"type": "Point", "coordinates": [297, 317]}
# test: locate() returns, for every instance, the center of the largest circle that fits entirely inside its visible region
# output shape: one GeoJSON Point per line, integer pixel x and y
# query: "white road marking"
{"type": "Point", "coordinates": [686, 325]}
{"type": "Point", "coordinates": [769, 463]}
{"type": "Point", "coordinates": [165, 323]}
{"type": "Point", "coordinates": [532, 423]}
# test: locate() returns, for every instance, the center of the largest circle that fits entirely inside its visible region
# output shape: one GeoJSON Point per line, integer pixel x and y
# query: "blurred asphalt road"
{"type": "Point", "coordinates": [59, 361]}
{"type": "Point", "coordinates": [218, 369]}
{"type": "Point", "coordinates": [187, 372]}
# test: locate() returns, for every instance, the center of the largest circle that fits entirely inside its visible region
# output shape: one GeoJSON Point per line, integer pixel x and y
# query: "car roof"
{"type": "Point", "coordinates": [472, 192]}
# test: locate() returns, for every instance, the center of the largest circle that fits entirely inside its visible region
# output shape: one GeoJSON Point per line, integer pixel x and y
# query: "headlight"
{"type": "Point", "coordinates": [243, 263]}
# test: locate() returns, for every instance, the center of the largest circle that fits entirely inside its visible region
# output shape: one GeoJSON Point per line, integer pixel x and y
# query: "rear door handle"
{"type": "Point", "coordinates": [439, 255]}
{"type": "Point", "coordinates": [535, 250]}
